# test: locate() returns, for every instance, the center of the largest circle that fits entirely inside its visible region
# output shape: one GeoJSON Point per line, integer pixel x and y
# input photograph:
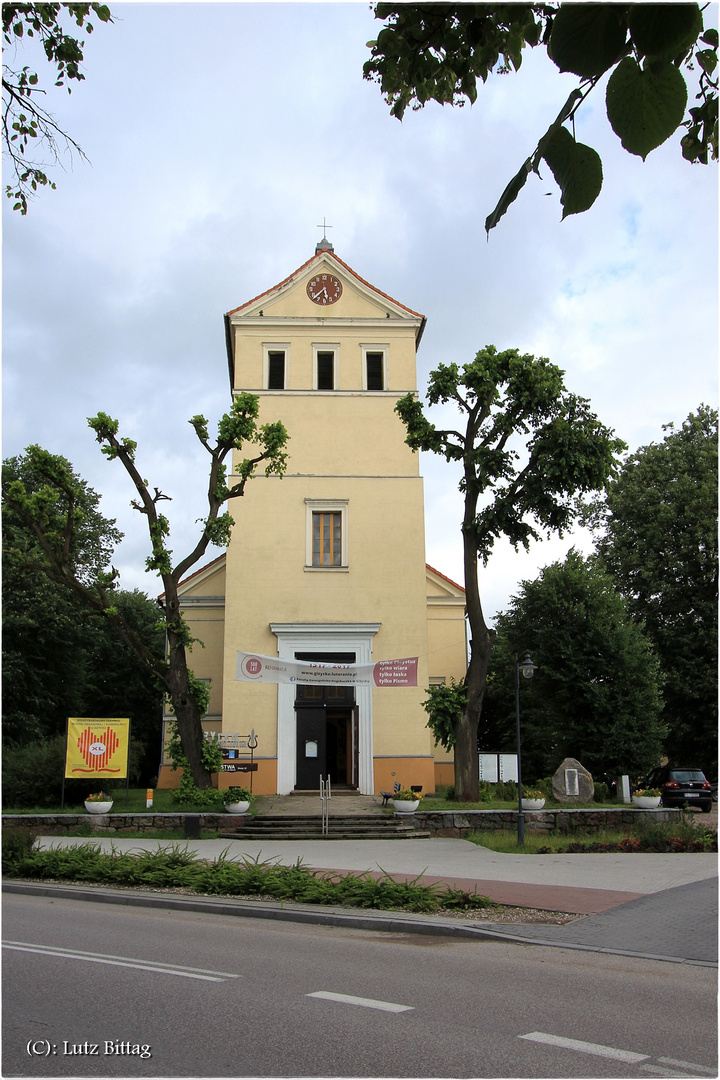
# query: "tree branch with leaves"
{"type": "Point", "coordinates": [527, 450]}
{"type": "Point", "coordinates": [56, 518]}
{"type": "Point", "coordinates": [439, 52]}
{"type": "Point", "coordinates": [27, 126]}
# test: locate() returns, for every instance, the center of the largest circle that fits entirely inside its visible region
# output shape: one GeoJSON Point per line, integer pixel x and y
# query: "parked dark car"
{"type": "Point", "coordinates": [681, 787]}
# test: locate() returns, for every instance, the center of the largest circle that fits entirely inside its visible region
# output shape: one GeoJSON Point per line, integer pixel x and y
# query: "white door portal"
{"type": "Point", "coordinates": [323, 638]}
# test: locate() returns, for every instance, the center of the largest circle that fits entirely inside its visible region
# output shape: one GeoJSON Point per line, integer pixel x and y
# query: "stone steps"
{"type": "Point", "coordinates": [355, 827]}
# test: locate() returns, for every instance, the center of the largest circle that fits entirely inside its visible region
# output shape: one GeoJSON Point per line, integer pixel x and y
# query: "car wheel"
{"type": "Point", "coordinates": [706, 807]}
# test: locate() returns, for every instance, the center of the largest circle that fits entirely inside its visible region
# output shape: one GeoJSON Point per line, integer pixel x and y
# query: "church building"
{"type": "Point", "coordinates": [327, 564]}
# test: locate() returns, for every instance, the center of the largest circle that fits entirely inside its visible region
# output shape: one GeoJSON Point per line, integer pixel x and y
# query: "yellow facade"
{"type": "Point", "coordinates": [328, 563]}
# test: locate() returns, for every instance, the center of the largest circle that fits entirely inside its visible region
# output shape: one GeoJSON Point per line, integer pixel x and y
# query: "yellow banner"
{"type": "Point", "coordinates": [97, 747]}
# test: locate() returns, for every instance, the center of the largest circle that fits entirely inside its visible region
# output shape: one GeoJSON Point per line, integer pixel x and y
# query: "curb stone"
{"type": "Point", "coordinates": [407, 922]}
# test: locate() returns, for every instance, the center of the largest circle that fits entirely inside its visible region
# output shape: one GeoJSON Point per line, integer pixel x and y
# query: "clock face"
{"type": "Point", "coordinates": [324, 289]}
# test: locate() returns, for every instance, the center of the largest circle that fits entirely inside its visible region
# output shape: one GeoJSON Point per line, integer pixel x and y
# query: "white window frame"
{"type": "Point", "coordinates": [279, 346]}
{"type": "Point", "coordinates": [334, 348]}
{"type": "Point", "coordinates": [374, 349]}
{"type": "Point", "coordinates": [326, 506]}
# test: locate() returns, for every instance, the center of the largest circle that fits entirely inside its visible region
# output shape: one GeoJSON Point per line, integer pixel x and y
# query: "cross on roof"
{"type": "Point", "coordinates": [324, 228]}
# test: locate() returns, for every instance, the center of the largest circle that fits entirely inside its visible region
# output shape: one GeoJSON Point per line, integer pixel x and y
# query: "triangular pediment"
{"type": "Point", "coordinates": [208, 581]}
{"type": "Point", "coordinates": [358, 299]}
{"type": "Point", "coordinates": [438, 585]}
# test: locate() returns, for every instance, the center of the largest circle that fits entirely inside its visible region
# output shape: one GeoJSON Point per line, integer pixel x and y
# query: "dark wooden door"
{"type": "Point", "coordinates": [311, 748]}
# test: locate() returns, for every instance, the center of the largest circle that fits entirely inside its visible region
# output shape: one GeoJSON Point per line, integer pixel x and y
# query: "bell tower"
{"type": "Point", "coordinates": [329, 561]}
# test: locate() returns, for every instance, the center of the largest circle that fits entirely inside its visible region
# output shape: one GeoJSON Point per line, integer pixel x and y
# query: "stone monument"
{"type": "Point", "coordinates": [572, 783]}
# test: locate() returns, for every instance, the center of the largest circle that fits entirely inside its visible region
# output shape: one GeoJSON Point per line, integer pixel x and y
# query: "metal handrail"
{"type": "Point", "coordinates": [325, 796]}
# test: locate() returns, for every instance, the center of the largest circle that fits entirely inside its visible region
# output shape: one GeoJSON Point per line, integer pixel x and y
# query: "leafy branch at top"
{"type": "Point", "coordinates": [439, 52]}
{"type": "Point", "coordinates": [26, 125]}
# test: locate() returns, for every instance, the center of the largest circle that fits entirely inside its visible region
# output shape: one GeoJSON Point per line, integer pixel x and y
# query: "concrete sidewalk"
{"type": "Point", "coordinates": [655, 905]}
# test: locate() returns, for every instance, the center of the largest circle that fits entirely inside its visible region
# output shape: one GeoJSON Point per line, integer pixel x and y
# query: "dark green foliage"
{"type": "Point", "coordinates": [596, 693]}
{"type": "Point", "coordinates": [444, 706]}
{"type": "Point", "coordinates": [657, 535]}
{"type": "Point", "coordinates": [176, 866]}
{"type": "Point", "coordinates": [56, 511]}
{"type": "Point", "coordinates": [527, 447]}
{"type": "Point", "coordinates": [16, 846]}
{"type": "Point", "coordinates": [438, 52]}
{"type": "Point", "coordinates": [59, 659]}
{"type": "Point", "coordinates": [32, 775]}
{"type": "Point", "coordinates": [601, 793]}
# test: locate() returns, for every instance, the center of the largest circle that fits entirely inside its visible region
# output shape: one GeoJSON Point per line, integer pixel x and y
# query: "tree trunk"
{"type": "Point", "coordinates": [467, 783]}
{"type": "Point", "coordinates": [187, 713]}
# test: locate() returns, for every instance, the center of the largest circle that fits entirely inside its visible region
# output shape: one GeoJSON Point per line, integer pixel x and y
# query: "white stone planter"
{"type": "Point", "coordinates": [98, 807]}
{"type": "Point", "coordinates": [646, 802]}
{"type": "Point", "coordinates": [237, 807]}
{"type": "Point", "coordinates": [533, 804]}
{"type": "Point", "coordinates": [405, 806]}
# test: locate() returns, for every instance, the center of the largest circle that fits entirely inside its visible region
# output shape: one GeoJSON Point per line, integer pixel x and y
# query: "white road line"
{"type": "Point", "coordinates": [655, 1070]}
{"type": "Point", "coordinates": [119, 961]}
{"type": "Point", "coordinates": [368, 1003]}
{"type": "Point", "coordinates": [587, 1047]}
{"type": "Point", "coordinates": [689, 1065]}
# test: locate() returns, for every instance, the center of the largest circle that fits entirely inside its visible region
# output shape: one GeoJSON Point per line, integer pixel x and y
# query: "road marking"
{"type": "Point", "coordinates": [121, 961]}
{"type": "Point", "coordinates": [688, 1065]}
{"type": "Point", "coordinates": [655, 1070]}
{"type": "Point", "coordinates": [368, 1003]}
{"type": "Point", "coordinates": [587, 1047]}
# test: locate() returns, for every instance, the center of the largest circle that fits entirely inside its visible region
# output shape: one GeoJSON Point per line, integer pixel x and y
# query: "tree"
{"type": "Point", "coordinates": [596, 695]}
{"type": "Point", "coordinates": [55, 515]}
{"type": "Point", "coordinates": [506, 400]}
{"type": "Point", "coordinates": [60, 660]}
{"type": "Point", "coordinates": [25, 122]}
{"type": "Point", "coordinates": [657, 535]}
{"type": "Point", "coordinates": [440, 51]}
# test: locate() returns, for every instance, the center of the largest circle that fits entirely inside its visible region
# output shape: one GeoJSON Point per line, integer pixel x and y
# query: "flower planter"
{"type": "Point", "coordinates": [646, 802]}
{"type": "Point", "coordinates": [237, 807]}
{"type": "Point", "coordinates": [98, 807]}
{"type": "Point", "coordinates": [533, 804]}
{"type": "Point", "coordinates": [405, 806]}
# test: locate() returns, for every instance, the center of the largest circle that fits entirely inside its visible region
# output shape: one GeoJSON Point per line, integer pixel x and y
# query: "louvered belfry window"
{"type": "Point", "coordinates": [327, 538]}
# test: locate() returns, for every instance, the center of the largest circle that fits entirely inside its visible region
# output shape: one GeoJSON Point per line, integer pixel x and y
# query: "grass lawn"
{"type": "Point", "coordinates": [505, 841]}
{"type": "Point", "coordinates": [496, 804]}
{"type": "Point", "coordinates": [163, 803]}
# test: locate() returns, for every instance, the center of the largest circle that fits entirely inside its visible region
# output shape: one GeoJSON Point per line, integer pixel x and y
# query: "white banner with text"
{"type": "Point", "coordinates": [252, 667]}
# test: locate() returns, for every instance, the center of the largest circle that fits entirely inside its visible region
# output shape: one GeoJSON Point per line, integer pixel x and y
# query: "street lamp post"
{"type": "Point", "coordinates": [528, 669]}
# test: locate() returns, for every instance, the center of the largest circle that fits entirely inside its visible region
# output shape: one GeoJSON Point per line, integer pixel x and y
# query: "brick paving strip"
{"type": "Point", "coordinates": [568, 898]}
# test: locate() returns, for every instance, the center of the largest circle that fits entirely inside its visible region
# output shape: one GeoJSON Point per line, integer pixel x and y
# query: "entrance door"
{"type": "Point", "coordinates": [327, 730]}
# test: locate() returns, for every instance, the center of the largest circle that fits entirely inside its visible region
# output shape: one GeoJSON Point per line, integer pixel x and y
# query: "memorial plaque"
{"type": "Point", "coordinates": [572, 783]}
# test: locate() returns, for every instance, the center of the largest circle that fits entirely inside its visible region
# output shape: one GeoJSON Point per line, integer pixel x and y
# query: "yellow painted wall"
{"type": "Point", "coordinates": [346, 445]}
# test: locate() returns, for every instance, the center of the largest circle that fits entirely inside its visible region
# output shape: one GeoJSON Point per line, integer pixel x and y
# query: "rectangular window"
{"type": "Point", "coordinates": [374, 364]}
{"type": "Point", "coordinates": [276, 371]}
{"type": "Point", "coordinates": [326, 535]}
{"type": "Point", "coordinates": [327, 538]}
{"type": "Point", "coordinates": [326, 370]}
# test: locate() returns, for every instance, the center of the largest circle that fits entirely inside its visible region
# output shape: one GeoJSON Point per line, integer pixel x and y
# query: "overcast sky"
{"type": "Point", "coordinates": [219, 136]}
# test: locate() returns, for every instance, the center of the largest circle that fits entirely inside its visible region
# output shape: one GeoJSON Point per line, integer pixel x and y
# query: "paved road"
{"type": "Point", "coordinates": [655, 905]}
{"type": "Point", "coordinates": [86, 983]}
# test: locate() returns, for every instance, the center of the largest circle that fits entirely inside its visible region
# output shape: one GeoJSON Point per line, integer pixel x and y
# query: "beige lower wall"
{"type": "Point", "coordinates": [405, 771]}
{"type": "Point", "coordinates": [445, 773]}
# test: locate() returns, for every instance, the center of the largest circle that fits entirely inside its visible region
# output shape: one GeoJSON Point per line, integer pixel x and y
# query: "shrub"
{"type": "Point", "coordinates": [16, 844]}
{"type": "Point", "coordinates": [32, 775]}
{"type": "Point", "coordinates": [602, 791]}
